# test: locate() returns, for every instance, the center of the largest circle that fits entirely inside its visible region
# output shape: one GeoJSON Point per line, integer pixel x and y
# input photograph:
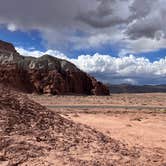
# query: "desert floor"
{"type": "Point", "coordinates": [135, 119]}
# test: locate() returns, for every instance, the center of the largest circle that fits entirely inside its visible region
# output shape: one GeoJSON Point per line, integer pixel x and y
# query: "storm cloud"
{"type": "Point", "coordinates": [88, 24]}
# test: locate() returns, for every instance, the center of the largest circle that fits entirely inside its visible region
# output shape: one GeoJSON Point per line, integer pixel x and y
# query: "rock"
{"type": "Point", "coordinates": [8, 47]}
{"type": "Point", "coordinates": [98, 87]}
{"type": "Point", "coordinates": [46, 74]}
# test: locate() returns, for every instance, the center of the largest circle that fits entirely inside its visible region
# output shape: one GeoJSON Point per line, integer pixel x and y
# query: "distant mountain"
{"type": "Point", "coordinates": [126, 88]}
{"type": "Point", "coordinates": [46, 74]}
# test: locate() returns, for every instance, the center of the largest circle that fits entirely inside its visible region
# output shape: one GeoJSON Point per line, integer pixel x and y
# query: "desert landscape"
{"type": "Point", "coordinates": [83, 83]}
{"type": "Point", "coordinates": [138, 120]}
{"type": "Point", "coordinates": [58, 134]}
{"type": "Point", "coordinates": [54, 114]}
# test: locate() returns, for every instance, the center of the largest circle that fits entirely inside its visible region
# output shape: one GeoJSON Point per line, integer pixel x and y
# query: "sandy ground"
{"type": "Point", "coordinates": [32, 135]}
{"type": "Point", "coordinates": [136, 130]}
{"type": "Point", "coordinates": [150, 99]}
{"type": "Point", "coordinates": [134, 127]}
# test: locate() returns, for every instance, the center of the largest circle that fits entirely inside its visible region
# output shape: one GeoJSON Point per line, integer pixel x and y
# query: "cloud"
{"type": "Point", "coordinates": [107, 13]}
{"type": "Point", "coordinates": [77, 24]}
{"type": "Point", "coordinates": [142, 45]}
{"type": "Point", "coordinates": [126, 69]}
{"type": "Point", "coordinates": [11, 27]}
{"type": "Point", "coordinates": [148, 19]}
{"type": "Point", "coordinates": [37, 54]}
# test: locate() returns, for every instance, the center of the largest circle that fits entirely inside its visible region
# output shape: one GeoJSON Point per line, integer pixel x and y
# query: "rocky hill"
{"type": "Point", "coordinates": [46, 74]}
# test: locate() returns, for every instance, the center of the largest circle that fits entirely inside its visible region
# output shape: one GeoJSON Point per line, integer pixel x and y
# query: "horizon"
{"type": "Point", "coordinates": [118, 42]}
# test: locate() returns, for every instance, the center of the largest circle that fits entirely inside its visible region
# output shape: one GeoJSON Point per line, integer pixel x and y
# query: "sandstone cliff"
{"type": "Point", "coordinates": [46, 74]}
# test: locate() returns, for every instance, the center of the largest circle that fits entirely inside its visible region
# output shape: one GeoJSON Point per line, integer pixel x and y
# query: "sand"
{"type": "Point", "coordinates": [33, 135]}
{"type": "Point", "coordinates": [142, 128]}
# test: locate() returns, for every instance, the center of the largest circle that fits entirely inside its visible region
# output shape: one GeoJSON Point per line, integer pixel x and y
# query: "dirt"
{"type": "Point", "coordinates": [135, 130]}
{"type": "Point", "coordinates": [145, 99]}
{"type": "Point", "coordinates": [32, 135]}
{"type": "Point", "coordinates": [141, 128]}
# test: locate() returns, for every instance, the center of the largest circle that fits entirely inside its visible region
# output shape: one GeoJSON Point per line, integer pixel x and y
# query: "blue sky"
{"type": "Point", "coordinates": [33, 40]}
{"type": "Point", "coordinates": [27, 39]}
{"type": "Point", "coordinates": [116, 41]}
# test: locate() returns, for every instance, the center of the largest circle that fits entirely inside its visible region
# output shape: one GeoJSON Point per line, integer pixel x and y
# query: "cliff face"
{"type": "Point", "coordinates": [46, 74]}
{"type": "Point", "coordinates": [8, 47]}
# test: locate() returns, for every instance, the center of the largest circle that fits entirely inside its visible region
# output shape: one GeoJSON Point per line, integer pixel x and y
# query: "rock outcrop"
{"type": "Point", "coordinates": [46, 74]}
{"type": "Point", "coordinates": [5, 46]}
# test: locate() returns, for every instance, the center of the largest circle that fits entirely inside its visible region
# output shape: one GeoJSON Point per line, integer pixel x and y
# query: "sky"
{"type": "Point", "coordinates": [117, 41]}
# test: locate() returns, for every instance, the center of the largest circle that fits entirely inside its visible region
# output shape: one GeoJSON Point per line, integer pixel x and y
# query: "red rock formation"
{"type": "Point", "coordinates": [98, 87]}
{"type": "Point", "coordinates": [6, 46]}
{"type": "Point", "coordinates": [12, 77]}
{"type": "Point", "coordinates": [46, 75]}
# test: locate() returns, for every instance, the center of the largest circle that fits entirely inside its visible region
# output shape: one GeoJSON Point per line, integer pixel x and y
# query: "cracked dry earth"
{"type": "Point", "coordinates": [31, 135]}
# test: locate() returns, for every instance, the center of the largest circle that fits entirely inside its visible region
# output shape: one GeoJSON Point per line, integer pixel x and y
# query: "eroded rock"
{"type": "Point", "coordinates": [46, 74]}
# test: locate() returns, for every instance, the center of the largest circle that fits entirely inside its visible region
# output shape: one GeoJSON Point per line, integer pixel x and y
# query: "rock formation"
{"type": "Point", "coordinates": [46, 74]}
{"type": "Point", "coordinates": [8, 47]}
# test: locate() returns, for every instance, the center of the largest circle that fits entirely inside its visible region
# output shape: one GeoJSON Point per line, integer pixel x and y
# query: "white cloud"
{"type": "Point", "coordinates": [125, 69]}
{"type": "Point", "coordinates": [11, 27]}
{"type": "Point", "coordinates": [142, 45]}
{"type": "Point", "coordinates": [36, 53]}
